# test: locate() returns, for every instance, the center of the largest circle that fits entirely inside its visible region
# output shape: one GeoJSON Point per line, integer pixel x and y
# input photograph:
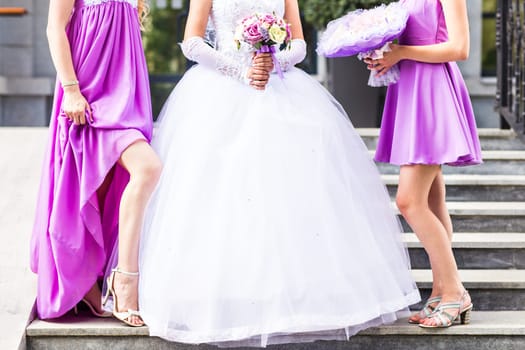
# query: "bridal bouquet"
{"type": "Point", "coordinates": [367, 33]}
{"type": "Point", "coordinates": [263, 33]}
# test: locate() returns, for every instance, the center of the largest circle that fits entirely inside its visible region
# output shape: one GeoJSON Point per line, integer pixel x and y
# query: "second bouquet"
{"type": "Point", "coordinates": [366, 33]}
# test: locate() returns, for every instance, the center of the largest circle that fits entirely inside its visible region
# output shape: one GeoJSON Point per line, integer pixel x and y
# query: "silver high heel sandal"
{"type": "Point", "coordinates": [121, 315]}
{"type": "Point", "coordinates": [443, 319]}
{"type": "Point", "coordinates": [426, 311]}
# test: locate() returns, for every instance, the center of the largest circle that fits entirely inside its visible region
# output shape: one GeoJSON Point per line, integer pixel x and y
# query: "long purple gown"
{"type": "Point", "coordinates": [72, 239]}
{"type": "Point", "coordinates": [428, 116]}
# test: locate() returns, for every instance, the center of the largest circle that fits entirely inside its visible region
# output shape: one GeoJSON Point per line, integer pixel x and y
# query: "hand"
{"type": "Point", "coordinates": [76, 107]}
{"type": "Point", "coordinates": [382, 65]}
{"type": "Point", "coordinates": [263, 61]}
{"type": "Point", "coordinates": [259, 72]}
{"type": "Point", "coordinates": [258, 78]}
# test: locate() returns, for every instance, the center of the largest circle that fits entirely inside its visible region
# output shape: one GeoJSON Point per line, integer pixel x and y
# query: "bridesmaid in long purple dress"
{"type": "Point", "coordinates": [428, 121]}
{"type": "Point", "coordinates": [99, 169]}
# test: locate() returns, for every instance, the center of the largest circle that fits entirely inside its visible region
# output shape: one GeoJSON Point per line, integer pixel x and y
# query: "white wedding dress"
{"type": "Point", "coordinates": [270, 223]}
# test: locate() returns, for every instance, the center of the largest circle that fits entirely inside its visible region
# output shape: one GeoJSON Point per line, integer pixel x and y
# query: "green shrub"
{"type": "Point", "coordinates": [320, 12]}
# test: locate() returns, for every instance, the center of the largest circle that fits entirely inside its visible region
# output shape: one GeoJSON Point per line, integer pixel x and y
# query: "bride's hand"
{"type": "Point", "coordinates": [258, 78]}
{"type": "Point", "coordinates": [259, 72]}
{"type": "Point", "coordinates": [263, 61]}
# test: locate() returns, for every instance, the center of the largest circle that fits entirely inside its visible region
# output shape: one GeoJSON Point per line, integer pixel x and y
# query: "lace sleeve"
{"type": "Point", "coordinates": [195, 49]}
{"type": "Point", "coordinates": [290, 57]}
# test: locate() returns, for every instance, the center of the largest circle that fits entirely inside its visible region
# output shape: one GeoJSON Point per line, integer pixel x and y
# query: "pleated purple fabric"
{"type": "Point", "coordinates": [428, 116]}
{"type": "Point", "coordinates": [72, 239]}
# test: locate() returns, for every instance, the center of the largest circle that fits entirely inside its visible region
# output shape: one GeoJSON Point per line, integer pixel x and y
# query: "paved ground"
{"type": "Point", "coordinates": [21, 152]}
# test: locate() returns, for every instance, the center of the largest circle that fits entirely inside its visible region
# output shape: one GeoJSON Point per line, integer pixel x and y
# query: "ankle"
{"type": "Point", "coordinates": [455, 295]}
{"type": "Point", "coordinates": [126, 271]}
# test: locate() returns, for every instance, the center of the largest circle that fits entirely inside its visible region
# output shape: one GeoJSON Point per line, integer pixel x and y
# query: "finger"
{"type": "Point", "coordinates": [256, 86]}
{"type": "Point", "coordinates": [381, 72]}
{"type": "Point", "coordinates": [258, 83]}
{"type": "Point", "coordinates": [76, 119]}
{"type": "Point", "coordinates": [265, 63]}
{"type": "Point", "coordinates": [261, 76]}
{"type": "Point", "coordinates": [89, 113]}
{"type": "Point", "coordinates": [261, 62]}
{"type": "Point", "coordinates": [82, 118]}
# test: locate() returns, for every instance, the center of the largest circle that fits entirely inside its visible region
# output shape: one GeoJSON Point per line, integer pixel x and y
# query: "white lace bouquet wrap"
{"type": "Point", "coordinates": [264, 33]}
{"type": "Point", "coordinates": [366, 33]}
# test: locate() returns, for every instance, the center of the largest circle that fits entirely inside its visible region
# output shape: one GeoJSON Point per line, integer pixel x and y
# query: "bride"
{"type": "Point", "coordinates": [270, 223]}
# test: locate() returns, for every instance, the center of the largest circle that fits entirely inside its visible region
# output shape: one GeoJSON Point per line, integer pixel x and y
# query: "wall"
{"type": "Point", "coordinates": [26, 72]}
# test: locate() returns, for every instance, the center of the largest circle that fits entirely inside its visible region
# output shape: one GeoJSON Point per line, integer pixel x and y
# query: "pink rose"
{"type": "Point", "coordinates": [269, 19]}
{"type": "Point", "coordinates": [253, 34]}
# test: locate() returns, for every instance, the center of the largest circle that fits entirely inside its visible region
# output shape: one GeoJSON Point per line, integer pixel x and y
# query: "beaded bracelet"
{"type": "Point", "coordinates": [70, 83]}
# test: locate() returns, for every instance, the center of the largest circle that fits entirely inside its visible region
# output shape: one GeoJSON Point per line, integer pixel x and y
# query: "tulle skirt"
{"type": "Point", "coordinates": [270, 223]}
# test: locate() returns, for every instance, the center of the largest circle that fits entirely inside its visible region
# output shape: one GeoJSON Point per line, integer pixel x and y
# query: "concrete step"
{"type": "Point", "coordinates": [476, 250]}
{"type": "Point", "coordinates": [491, 290]}
{"type": "Point", "coordinates": [461, 187]}
{"type": "Point", "coordinates": [505, 162]}
{"type": "Point", "coordinates": [488, 330]}
{"type": "Point", "coordinates": [490, 139]}
{"type": "Point", "coordinates": [484, 216]}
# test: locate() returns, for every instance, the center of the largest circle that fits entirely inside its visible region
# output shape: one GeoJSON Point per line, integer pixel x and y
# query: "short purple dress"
{"type": "Point", "coordinates": [72, 239]}
{"type": "Point", "coordinates": [428, 116]}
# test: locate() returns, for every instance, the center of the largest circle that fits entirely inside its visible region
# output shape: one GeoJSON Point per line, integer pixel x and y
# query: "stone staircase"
{"type": "Point", "coordinates": [487, 204]}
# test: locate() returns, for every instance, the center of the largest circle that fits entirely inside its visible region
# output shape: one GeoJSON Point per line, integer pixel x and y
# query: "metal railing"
{"type": "Point", "coordinates": [510, 43]}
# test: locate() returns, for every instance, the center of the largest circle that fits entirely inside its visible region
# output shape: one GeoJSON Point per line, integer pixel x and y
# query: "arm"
{"type": "Point", "coordinates": [297, 51]}
{"type": "Point", "coordinates": [455, 49]}
{"type": "Point", "coordinates": [74, 104]}
{"type": "Point", "coordinates": [458, 45]}
{"type": "Point", "coordinates": [195, 49]}
{"type": "Point", "coordinates": [292, 16]}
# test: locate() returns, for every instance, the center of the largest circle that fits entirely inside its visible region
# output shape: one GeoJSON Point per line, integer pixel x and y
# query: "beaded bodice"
{"type": "Point", "coordinates": [81, 3]}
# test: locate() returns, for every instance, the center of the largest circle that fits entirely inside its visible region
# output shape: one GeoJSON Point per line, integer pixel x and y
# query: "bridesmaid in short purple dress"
{"type": "Point", "coordinates": [99, 169]}
{"type": "Point", "coordinates": [428, 121]}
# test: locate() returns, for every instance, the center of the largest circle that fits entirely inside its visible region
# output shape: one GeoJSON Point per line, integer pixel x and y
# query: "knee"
{"type": "Point", "coordinates": [153, 170]}
{"type": "Point", "coordinates": [149, 173]}
{"type": "Point", "coordinates": [405, 204]}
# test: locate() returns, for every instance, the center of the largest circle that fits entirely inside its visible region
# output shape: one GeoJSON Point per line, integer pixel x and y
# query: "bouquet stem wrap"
{"type": "Point", "coordinates": [390, 77]}
{"type": "Point", "coordinates": [271, 50]}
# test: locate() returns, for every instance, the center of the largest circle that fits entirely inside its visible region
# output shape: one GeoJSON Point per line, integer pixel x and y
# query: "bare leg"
{"type": "Point", "coordinates": [93, 296]}
{"type": "Point", "coordinates": [144, 168]}
{"type": "Point", "coordinates": [437, 204]}
{"type": "Point", "coordinates": [413, 197]}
